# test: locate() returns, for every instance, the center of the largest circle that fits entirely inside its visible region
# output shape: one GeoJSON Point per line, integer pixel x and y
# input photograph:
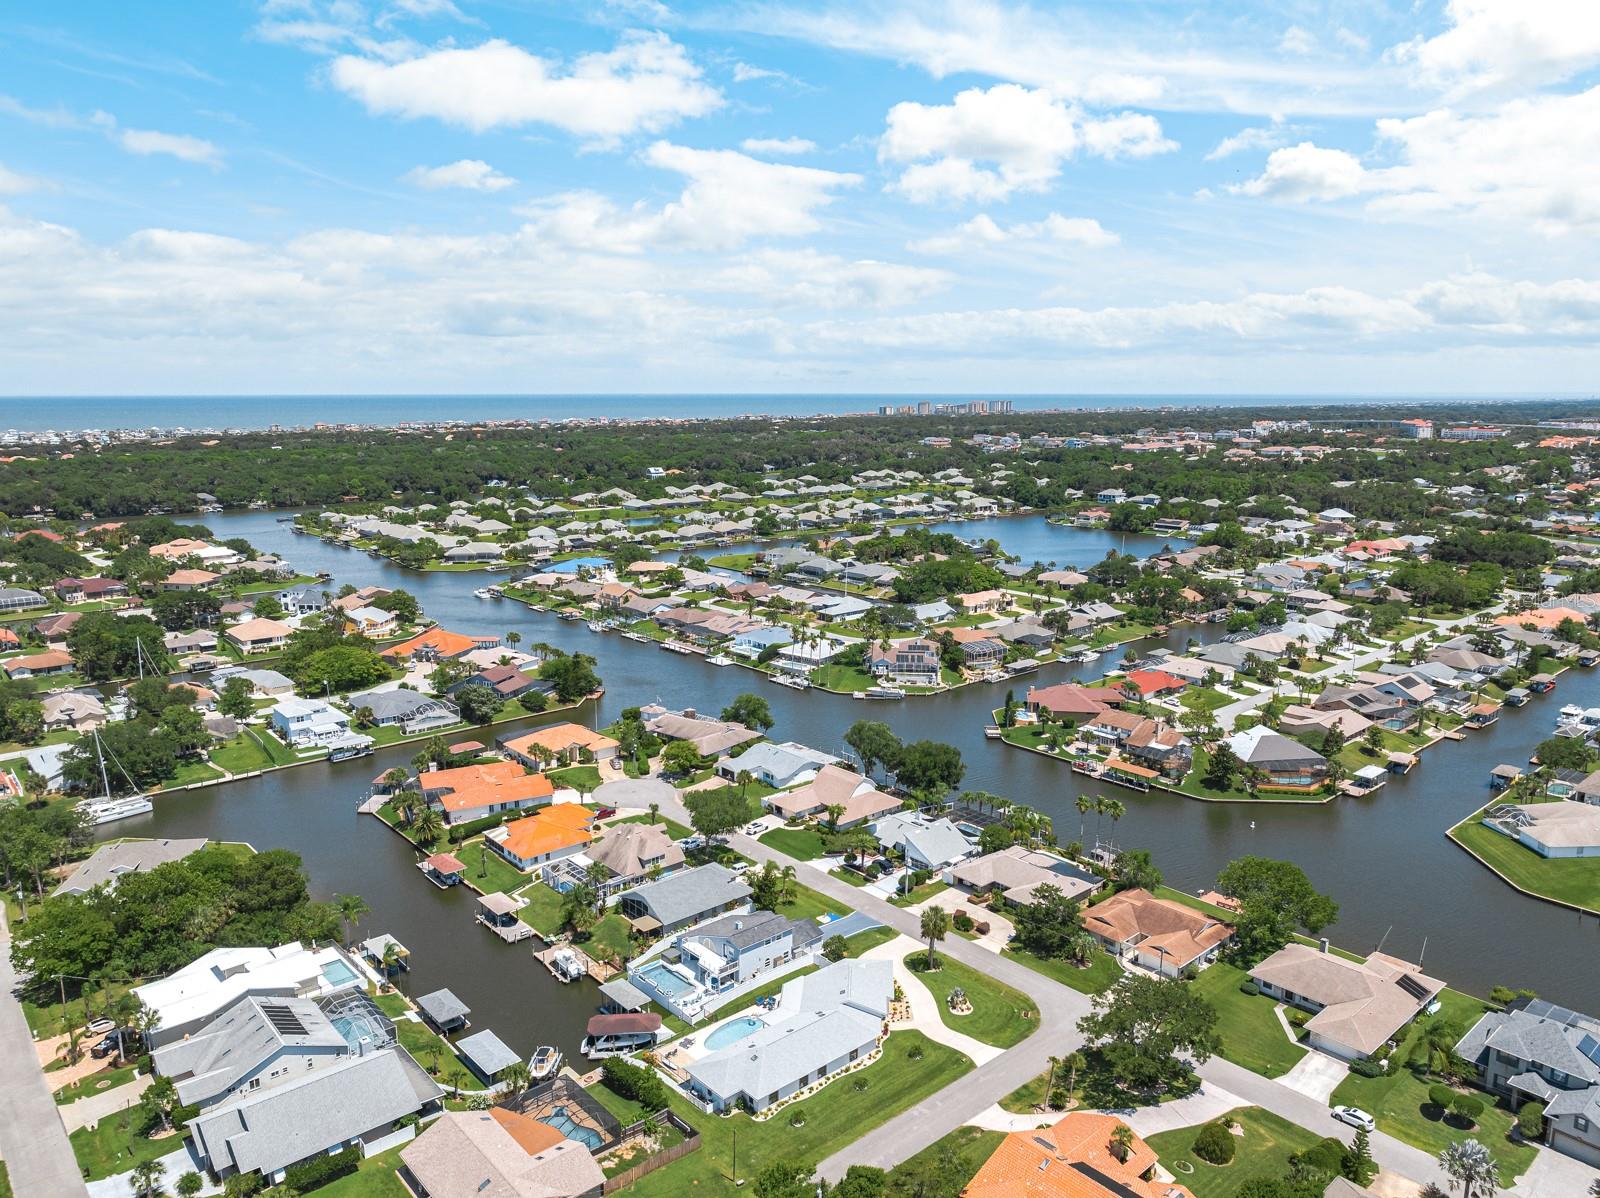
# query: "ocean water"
{"type": "Point", "coordinates": [33, 414]}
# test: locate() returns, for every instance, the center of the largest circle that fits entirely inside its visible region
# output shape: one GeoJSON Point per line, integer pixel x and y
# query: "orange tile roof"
{"type": "Point", "coordinates": [531, 1136]}
{"type": "Point", "coordinates": [552, 828]}
{"type": "Point", "coordinates": [442, 641]}
{"type": "Point", "coordinates": [1040, 1164]}
{"type": "Point", "coordinates": [559, 737]}
{"type": "Point", "coordinates": [1539, 617]}
{"type": "Point", "coordinates": [469, 786]}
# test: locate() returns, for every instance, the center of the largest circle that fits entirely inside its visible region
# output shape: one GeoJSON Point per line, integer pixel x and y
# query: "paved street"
{"type": "Point", "coordinates": [972, 1097]}
{"type": "Point", "coordinates": [32, 1140]}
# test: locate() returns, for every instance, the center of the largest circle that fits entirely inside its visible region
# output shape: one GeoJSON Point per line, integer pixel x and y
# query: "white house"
{"type": "Point", "coordinates": [305, 723]}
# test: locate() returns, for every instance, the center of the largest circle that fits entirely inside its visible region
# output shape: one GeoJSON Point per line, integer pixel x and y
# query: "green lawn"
{"type": "Point", "coordinates": [803, 844]}
{"type": "Point", "coordinates": [862, 942]}
{"type": "Point", "coordinates": [1203, 698]}
{"type": "Point", "coordinates": [846, 1110]}
{"type": "Point", "coordinates": [542, 911]}
{"type": "Point", "coordinates": [1101, 974]}
{"type": "Point", "coordinates": [375, 1178]}
{"type": "Point", "coordinates": [1000, 1015]}
{"type": "Point", "coordinates": [1574, 880]}
{"type": "Point", "coordinates": [968, 1147]}
{"type": "Point", "coordinates": [487, 869]}
{"type": "Point", "coordinates": [926, 891]}
{"type": "Point", "coordinates": [674, 829]}
{"type": "Point", "coordinates": [106, 1079]}
{"type": "Point", "coordinates": [842, 678]}
{"type": "Point", "coordinates": [580, 777]}
{"type": "Point", "coordinates": [251, 751]}
{"type": "Point", "coordinates": [435, 1055]}
{"type": "Point", "coordinates": [609, 939]}
{"type": "Point", "coordinates": [1263, 1152]}
{"type": "Point", "coordinates": [808, 904]}
{"type": "Point", "coordinates": [1399, 1100]}
{"type": "Point", "coordinates": [1192, 785]}
{"type": "Point", "coordinates": [1247, 1023]}
{"type": "Point", "coordinates": [748, 999]}
{"type": "Point", "coordinates": [112, 1147]}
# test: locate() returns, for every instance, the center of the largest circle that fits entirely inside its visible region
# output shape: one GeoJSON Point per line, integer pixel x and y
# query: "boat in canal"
{"type": "Point", "coordinates": [544, 1062]}
{"type": "Point", "coordinates": [720, 659]}
{"type": "Point", "coordinates": [108, 811]}
{"type": "Point", "coordinates": [883, 692]}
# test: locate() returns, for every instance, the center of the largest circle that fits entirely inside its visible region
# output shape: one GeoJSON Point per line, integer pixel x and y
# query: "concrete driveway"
{"type": "Point", "coordinates": [634, 794]}
{"type": "Point", "coordinates": [1316, 1076]}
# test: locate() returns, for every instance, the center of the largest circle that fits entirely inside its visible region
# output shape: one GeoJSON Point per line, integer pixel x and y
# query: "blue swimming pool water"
{"type": "Point", "coordinates": [664, 980]}
{"type": "Point", "coordinates": [572, 1129]}
{"type": "Point", "coordinates": [338, 973]}
{"type": "Point", "coordinates": [732, 1031]}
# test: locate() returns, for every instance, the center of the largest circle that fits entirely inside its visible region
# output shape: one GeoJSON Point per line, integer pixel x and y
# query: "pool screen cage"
{"type": "Point", "coordinates": [543, 1101]}
{"type": "Point", "coordinates": [372, 1026]}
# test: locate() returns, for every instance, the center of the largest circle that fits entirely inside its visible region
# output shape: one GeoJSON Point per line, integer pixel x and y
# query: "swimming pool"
{"type": "Point", "coordinates": [732, 1031]}
{"type": "Point", "coordinates": [664, 980]}
{"type": "Point", "coordinates": [572, 1129]}
{"type": "Point", "coordinates": [338, 973]}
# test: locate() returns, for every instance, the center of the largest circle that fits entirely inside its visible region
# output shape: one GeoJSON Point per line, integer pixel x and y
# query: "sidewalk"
{"type": "Point", "coordinates": [925, 1016]}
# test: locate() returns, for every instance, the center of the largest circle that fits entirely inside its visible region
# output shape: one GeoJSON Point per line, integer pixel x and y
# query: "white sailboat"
{"type": "Point", "coordinates": [108, 809]}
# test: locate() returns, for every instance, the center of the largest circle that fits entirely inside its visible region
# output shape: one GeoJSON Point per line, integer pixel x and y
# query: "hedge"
{"type": "Point", "coordinates": [1530, 1120]}
{"type": "Point", "coordinates": [1441, 1096]}
{"type": "Point", "coordinates": [635, 1082]}
{"type": "Point", "coordinates": [319, 1171]}
{"type": "Point", "coordinates": [1214, 1144]}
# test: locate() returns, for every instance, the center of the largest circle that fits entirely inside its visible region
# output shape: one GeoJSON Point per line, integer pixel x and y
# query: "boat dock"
{"type": "Point", "coordinates": [548, 958]}
{"type": "Point", "coordinates": [498, 913]}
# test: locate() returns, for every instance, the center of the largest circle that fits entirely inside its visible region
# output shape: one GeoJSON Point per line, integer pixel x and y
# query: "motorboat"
{"type": "Point", "coordinates": [544, 1062]}
{"type": "Point", "coordinates": [483, 593]}
{"type": "Point", "coordinates": [567, 967]}
{"type": "Point", "coordinates": [884, 692]}
{"type": "Point", "coordinates": [720, 659]}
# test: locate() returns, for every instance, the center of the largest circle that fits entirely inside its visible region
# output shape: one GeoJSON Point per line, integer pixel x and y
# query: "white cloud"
{"type": "Point", "coordinates": [744, 72]}
{"type": "Point", "coordinates": [807, 278]}
{"type": "Point", "coordinates": [1258, 137]}
{"type": "Point", "coordinates": [1028, 134]}
{"type": "Point", "coordinates": [778, 145]}
{"type": "Point", "coordinates": [1307, 172]}
{"type": "Point", "coordinates": [646, 83]}
{"type": "Point", "coordinates": [982, 231]}
{"type": "Point", "coordinates": [470, 174]}
{"type": "Point", "coordinates": [1507, 43]}
{"type": "Point", "coordinates": [178, 145]}
{"type": "Point", "coordinates": [12, 183]}
{"type": "Point", "coordinates": [1296, 40]}
{"type": "Point", "coordinates": [730, 199]}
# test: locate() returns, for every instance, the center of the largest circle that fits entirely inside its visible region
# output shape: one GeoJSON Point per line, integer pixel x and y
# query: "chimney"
{"type": "Point", "coordinates": [688, 713]}
{"type": "Point", "coordinates": [1322, 945]}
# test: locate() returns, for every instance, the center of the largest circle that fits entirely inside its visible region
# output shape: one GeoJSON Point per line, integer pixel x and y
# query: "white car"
{"type": "Point", "coordinates": [1355, 1117]}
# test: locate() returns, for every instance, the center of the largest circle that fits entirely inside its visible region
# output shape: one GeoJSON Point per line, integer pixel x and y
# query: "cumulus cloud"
{"type": "Point", "coordinates": [470, 174]}
{"type": "Point", "coordinates": [807, 278]}
{"type": "Point", "coordinates": [646, 83]}
{"type": "Point", "coordinates": [1259, 137]}
{"type": "Point", "coordinates": [1307, 172]}
{"type": "Point", "coordinates": [982, 231]}
{"type": "Point", "coordinates": [778, 145]}
{"type": "Point", "coordinates": [1025, 135]}
{"type": "Point", "coordinates": [1507, 43]}
{"type": "Point", "coordinates": [730, 198]}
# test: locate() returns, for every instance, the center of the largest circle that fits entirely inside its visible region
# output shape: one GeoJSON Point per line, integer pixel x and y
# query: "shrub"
{"type": "Point", "coordinates": [1467, 1108]}
{"type": "Point", "coordinates": [1248, 986]}
{"type": "Point", "coordinates": [1367, 1067]}
{"type": "Point", "coordinates": [835, 949]}
{"type": "Point", "coordinates": [962, 922]}
{"type": "Point", "coordinates": [1214, 1144]}
{"type": "Point", "coordinates": [1441, 1096]}
{"type": "Point", "coordinates": [1530, 1120]}
{"type": "Point", "coordinates": [318, 1172]}
{"type": "Point", "coordinates": [1325, 1158]}
{"type": "Point", "coordinates": [632, 1081]}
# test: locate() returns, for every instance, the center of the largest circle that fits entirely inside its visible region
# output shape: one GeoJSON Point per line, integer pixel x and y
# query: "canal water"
{"type": "Point", "coordinates": [1399, 881]}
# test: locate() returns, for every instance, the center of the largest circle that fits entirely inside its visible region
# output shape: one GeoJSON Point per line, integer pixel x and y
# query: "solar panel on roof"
{"type": "Point", "coordinates": [1590, 1047]}
{"type": "Point", "coordinates": [284, 1020]}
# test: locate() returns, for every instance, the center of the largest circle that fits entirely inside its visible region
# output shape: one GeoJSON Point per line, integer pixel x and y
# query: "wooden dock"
{"type": "Point", "coordinates": [513, 933]}
{"type": "Point", "coordinates": [372, 805]}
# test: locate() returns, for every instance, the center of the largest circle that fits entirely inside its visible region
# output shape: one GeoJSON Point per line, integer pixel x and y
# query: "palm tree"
{"type": "Point", "coordinates": [655, 811]}
{"type": "Point", "coordinates": [744, 779]}
{"type": "Point", "coordinates": [405, 806]}
{"type": "Point", "coordinates": [514, 1079]}
{"type": "Point", "coordinates": [1122, 1142]}
{"type": "Point", "coordinates": [1470, 1166]}
{"type": "Point", "coordinates": [1085, 805]}
{"type": "Point", "coordinates": [146, 1178]}
{"type": "Point", "coordinates": [1115, 808]}
{"type": "Point", "coordinates": [834, 810]}
{"type": "Point", "coordinates": [351, 908]}
{"type": "Point", "coordinates": [935, 926]}
{"type": "Point", "coordinates": [512, 638]}
{"type": "Point", "coordinates": [390, 961]}
{"type": "Point", "coordinates": [1075, 1062]}
{"type": "Point", "coordinates": [429, 826]}
{"type": "Point", "coordinates": [1050, 1081]}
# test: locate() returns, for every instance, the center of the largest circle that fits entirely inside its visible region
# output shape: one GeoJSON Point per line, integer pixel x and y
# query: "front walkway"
{"type": "Point", "coordinates": [924, 1007]}
{"type": "Point", "coordinates": [92, 1108]}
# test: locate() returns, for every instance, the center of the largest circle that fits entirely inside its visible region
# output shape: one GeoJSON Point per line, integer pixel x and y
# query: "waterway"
{"type": "Point", "coordinates": [1385, 858]}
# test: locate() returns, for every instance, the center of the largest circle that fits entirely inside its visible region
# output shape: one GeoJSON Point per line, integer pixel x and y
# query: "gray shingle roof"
{"type": "Point", "coordinates": [111, 861]}
{"type": "Point", "coordinates": [685, 895]}
{"type": "Point", "coordinates": [442, 1006]}
{"type": "Point", "coordinates": [487, 1051]}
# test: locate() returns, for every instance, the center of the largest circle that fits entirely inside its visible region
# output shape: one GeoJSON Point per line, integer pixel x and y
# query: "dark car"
{"type": "Point", "coordinates": [605, 812]}
{"type": "Point", "coordinates": [105, 1047]}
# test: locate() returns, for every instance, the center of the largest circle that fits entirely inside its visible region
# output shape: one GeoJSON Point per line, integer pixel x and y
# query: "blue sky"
{"type": "Point", "coordinates": [420, 195]}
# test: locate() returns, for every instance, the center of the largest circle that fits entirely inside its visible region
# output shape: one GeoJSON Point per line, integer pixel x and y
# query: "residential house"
{"type": "Point", "coordinates": [1157, 745]}
{"type": "Point", "coordinates": [683, 899]}
{"type": "Point", "coordinates": [111, 862]}
{"type": "Point", "coordinates": [308, 723]}
{"type": "Point", "coordinates": [710, 738]}
{"type": "Point", "coordinates": [507, 682]}
{"type": "Point", "coordinates": [1358, 1006]}
{"type": "Point", "coordinates": [39, 665]}
{"type": "Point", "coordinates": [411, 711]}
{"type": "Point", "coordinates": [371, 622]}
{"type": "Point", "coordinates": [1071, 702]}
{"type": "Point", "coordinates": [925, 844]}
{"type": "Point", "coordinates": [73, 711]}
{"type": "Point", "coordinates": [283, 1080]}
{"type": "Point", "coordinates": [798, 658]}
{"type": "Point", "coordinates": [1559, 830]}
{"type": "Point", "coordinates": [834, 786]}
{"type": "Point", "coordinates": [779, 765]}
{"type": "Point", "coordinates": [82, 590]}
{"type": "Point", "coordinates": [54, 629]}
{"type": "Point", "coordinates": [188, 580]}
{"type": "Point", "coordinates": [725, 953]}
{"type": "Point", "coordinates": [633, 852]}
{"type": "Point", "coordinates": [264, 684]}
{"type": "Point", "coordinates": [753, 643]}
{"type": "Point", "coordinates": [1028, 632]}
{"type": "Point", "coordinates": [466, 793]}
{"type": "Point", "coordinates": [259, 635]}
{"type": "Point", "coordinates": [1538, 1052]}
{"type": "Point", "coordinates": [824, 1022]}
{"type": "Point", "coordinates": [1076, 1158]}
{"type": "Point", "coordinates": [562, 744]}
{"type": "Point", "coordinates": [19, 599]}
{"type": "Point", "coordinates": [199, 641]}
{"type": "Point", "coordinates": [1016, 872]}
{"type": "Point", "coordinates": [980, 648]}
{"type": "Point", "coordinates": [1152, 684]}
{"type": "Point", "coordinates": [498, 1153]}
{"type": "Point", "coordinates": [1288, 764]}
{"type": "Point", "coordinates": [1156, 934]}
{"type": "Point", "coordinates": [981, 603]}
{"type": "Point", "coordinates": [906, 663]}
{"type": "Point", "coordinates": [191, 997]}
{"type": "Point", "coordinates": [439, 644]}
{"type": "Point", "coordinates": [550, 834]}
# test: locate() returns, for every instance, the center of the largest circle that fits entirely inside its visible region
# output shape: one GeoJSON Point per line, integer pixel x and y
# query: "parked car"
{"type": "Point", "coordinates": [605, 812]}
{"type": "Point", "coordinates": [1355, 1117]}
{"type": "Point", "coordinates": [616, 763]}
{"type": "Point", "coordinates": [100, 1027]}
{"type": "Point", "coordinates": [105, 1047]}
